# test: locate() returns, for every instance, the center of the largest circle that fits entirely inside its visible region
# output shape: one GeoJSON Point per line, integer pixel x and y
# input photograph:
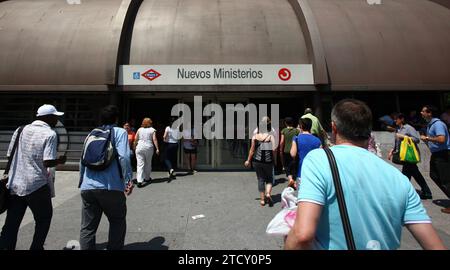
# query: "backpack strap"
{"type": "Point", "coordinates": [113, 142]}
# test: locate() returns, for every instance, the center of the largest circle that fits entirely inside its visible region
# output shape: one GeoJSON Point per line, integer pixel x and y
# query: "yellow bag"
{"type": "Point", "coordinates": [408, 151]}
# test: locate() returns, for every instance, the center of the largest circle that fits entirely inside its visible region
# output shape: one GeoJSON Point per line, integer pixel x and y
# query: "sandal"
{"type": "Point", "coordinates": [269, 200]}
{"type": "Point", "coordinates": [262, 203]}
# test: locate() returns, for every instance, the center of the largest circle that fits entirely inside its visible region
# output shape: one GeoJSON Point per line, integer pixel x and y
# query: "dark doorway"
{"type": "Point", "coordinates": [159, 111]}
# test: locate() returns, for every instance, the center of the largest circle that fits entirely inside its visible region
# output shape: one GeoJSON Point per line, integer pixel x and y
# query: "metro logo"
{"type": "Point", "coordinates": [151, 74]}
{"type": "Point", "coordinates": [284, 74]}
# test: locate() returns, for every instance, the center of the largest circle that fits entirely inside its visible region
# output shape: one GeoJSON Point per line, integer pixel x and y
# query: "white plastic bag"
{"type": "Point", "coordinates": [282, 223]}
{"type": "Point", "coordinates": [288, 198]}
{"type": "Point", "coordinates": [284, 220]}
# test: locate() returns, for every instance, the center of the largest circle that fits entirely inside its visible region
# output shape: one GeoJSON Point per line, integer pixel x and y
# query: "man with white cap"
{"type": "Point", "coordinates": [29, 178]}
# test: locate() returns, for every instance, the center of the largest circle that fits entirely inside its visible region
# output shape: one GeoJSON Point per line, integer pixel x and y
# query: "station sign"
{"type": "Point", "coordinates": [301, 74]}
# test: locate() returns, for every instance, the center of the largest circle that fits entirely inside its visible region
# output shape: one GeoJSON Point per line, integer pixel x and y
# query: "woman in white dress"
{"type": "Point", "coordinates": [145, 144]}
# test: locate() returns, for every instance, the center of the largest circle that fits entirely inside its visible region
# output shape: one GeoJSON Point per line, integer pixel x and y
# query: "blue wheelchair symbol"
{"type": "Point", "coordinates": [136, 75]}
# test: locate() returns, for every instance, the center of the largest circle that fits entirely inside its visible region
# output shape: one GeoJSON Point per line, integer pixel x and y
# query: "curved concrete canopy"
{"type": "Point", "coordinates": [50, 42]}
{"type": "Point", "coordinates": [217, 32]}
{"type": "Point", "coordinates": [397, 45]}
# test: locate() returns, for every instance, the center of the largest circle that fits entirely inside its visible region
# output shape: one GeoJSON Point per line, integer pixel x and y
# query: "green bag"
{"type": "Point", "coordinates": [408, 151]}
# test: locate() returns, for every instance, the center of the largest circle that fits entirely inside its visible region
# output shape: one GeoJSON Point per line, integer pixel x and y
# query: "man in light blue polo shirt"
{"type": "Point", "coordinates": [379, 198]}
{"type": "Point", "coordinates": [438, 140]}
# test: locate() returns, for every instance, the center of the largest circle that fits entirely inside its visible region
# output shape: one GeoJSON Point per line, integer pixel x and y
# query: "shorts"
{"type": "Point", "coordinates": [190, 151]}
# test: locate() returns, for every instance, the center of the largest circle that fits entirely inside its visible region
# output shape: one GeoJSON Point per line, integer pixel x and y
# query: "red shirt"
{"type": "Point", "coordinates": [131, 136]}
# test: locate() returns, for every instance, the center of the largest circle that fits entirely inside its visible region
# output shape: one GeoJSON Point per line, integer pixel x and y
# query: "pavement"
{"type": "Point", "coordinates": [160, 214]}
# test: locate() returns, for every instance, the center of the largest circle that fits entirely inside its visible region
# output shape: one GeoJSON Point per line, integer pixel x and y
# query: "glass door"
{"type": "Point", "coordinates": [205, 149]}
{"type": "Point", "coordinates": [231, 151]}
{"type": "Point", "coordinates": [227, 153]}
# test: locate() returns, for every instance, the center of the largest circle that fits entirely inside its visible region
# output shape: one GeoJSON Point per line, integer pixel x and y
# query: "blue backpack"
{"type": "Point", "coordinates": [99, 149]}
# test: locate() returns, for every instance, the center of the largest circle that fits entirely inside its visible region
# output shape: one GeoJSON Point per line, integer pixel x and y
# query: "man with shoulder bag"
{"type": "Point", "coordinates": [438, 140]}
{"type": "Point", "coordinates": [28, 180]}
{"type": "Point", "coordinates": [350, 198]}
{"type": "Point", "coordinates": [409, 169]}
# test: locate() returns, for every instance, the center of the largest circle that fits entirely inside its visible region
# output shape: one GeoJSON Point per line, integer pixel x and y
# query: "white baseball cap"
{"type": "Point", "coordinates": [48, 109]}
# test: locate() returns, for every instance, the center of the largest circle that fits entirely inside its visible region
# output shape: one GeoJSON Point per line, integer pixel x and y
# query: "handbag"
{"type": "Point", "coordinates": [341, 200]}
{"type": "Point", "coordinates": [4, 191]}
{"type": "Point", "coordinates": [396, 158]}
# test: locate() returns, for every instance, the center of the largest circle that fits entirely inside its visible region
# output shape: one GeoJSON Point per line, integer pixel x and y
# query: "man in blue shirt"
{"type": "Point", "coordinates": [379, 198]}
{"type": "Point", "coordinates": [438, 140]}
{"type": "Point", "coordinates": [104, 191]}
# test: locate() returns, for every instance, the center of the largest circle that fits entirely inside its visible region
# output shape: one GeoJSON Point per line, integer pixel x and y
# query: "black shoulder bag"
{"type": "Point", "coordinates": [341, 200]}
{"type": "Point", "coordinates": [4, 191]}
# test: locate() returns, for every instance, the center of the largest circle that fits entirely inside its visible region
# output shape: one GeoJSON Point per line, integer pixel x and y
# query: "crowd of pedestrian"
{"type": "Point", "coordinates": [372, 195]}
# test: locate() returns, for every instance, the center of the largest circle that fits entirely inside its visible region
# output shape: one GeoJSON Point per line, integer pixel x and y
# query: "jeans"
{"type": "Point", "coordinates": [40, 204]}
{"type": "Point", "coordinates": [170, 156]}
{"type": "Point", "coordinates": [411, 170]}
{"type": "Point", "coordinates": [95, 203]}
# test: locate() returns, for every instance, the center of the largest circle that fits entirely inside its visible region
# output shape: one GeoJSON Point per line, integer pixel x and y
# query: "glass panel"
{"type": "Point", "coordinates": [204, 152]}
{"type": "Point", "coordinates": [232, 152]}
{"type": "Point", "coordinates": [204, 149]}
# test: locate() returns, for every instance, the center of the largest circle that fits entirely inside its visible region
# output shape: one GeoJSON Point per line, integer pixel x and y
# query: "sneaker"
{"type": "Point", "coordinates": [172, 173]}
{"type": "Point", "coordinates": [139, 185]}
{"type": "Point", "coordinates": [147, 180]}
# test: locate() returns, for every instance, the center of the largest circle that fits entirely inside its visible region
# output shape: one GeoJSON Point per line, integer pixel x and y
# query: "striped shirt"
{"type": "Point", "coordinates": [38, 142]}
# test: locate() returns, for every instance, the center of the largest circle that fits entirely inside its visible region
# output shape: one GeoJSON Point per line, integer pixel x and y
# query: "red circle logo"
{"type": "Point", "coordinates": [284, 74]}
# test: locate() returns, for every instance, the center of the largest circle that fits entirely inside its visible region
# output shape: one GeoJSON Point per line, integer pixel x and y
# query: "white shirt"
{"type": "Point", "coordinates": [173, 134]}
{"type": "Point", "coordinates": [38, 142]}
{"type": "Point", "coordinates": [145, 136]}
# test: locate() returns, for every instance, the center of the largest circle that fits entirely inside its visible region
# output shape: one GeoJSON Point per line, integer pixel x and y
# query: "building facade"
{"type": "Point", "coordinates": [82, 55]}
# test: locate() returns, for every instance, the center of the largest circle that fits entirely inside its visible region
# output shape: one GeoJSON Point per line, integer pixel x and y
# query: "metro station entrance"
{"type": "Point", "coordinates": [226, 153]}
{"type": "Point", "coordinates": [213, 154]}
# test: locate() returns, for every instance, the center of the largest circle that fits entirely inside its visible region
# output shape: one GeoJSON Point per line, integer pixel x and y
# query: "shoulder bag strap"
{"type": "Point", "coordinates": [341, 200]}
{"type": "Point", "coordinates": [432, 123]}
{"type": "Point", "coordinates": [13, 150]}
